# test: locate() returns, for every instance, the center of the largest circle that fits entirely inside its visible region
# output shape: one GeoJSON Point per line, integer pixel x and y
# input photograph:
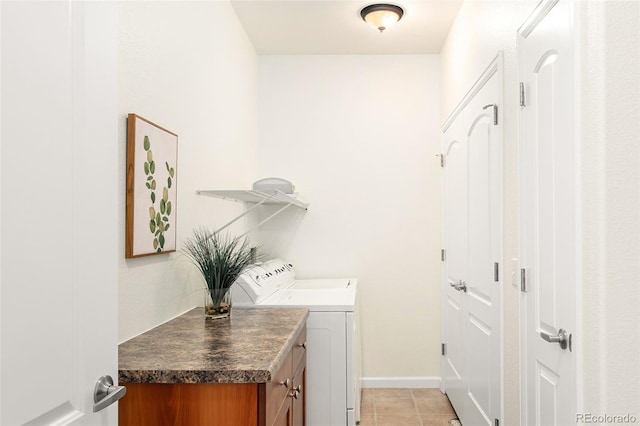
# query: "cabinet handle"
{"type": "Point", "coordinates": [286, 383]}
{"type": "Point", "coordinates": [295, 391]}
{"type": "Point", "coordinates": [302, 345]}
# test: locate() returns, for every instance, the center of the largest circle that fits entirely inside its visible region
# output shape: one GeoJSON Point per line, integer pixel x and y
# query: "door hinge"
{"type": "Point", "coordinates": [444, 349]}
{"type": "Point", "coordinates": [523, 280]}
{"type": "Point", "coordinates": [442, 160]}
{"type": "Point", "coordinates": [443, 255]}
{"type": "Point", "coordinates": [522, 94]}
{"type": "Point", "coordinates": [495, 112]}
{"type": "Point", "coordinates": [496, 272]}
{"type": "Point", "coordinates": [496, 422]}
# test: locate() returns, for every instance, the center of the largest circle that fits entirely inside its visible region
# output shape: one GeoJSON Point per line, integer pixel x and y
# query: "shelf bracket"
{"type": "Point", "coordinates": [257, 198]}
{"type": "Point", "coordinates": [267, 219]}
{"type": "Point", "coordinates": [246, 212]}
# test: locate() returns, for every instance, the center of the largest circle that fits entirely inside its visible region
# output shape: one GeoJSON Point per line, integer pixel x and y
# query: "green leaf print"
{"type": "Point", "coordinates": [160, 220]}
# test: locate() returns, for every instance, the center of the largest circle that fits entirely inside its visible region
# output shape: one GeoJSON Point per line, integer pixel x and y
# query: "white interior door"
{"type": "Point", "coordinates": [483, 313]}
{"type": "Point", "coordinates": [473, 240]}
{"type": "Point", "coordinates": [455, 270]}
{"type": "Point", "coordinates": [59, 210]}
{"type": "Point", "coordinates": [548, 220]}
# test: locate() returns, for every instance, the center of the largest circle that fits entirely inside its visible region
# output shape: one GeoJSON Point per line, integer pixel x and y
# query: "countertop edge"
{"type": "Point", "coordinates": [288, 346]}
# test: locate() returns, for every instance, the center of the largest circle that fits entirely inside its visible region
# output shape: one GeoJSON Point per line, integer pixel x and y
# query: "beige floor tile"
{"type": "Point", "coordinates": [431, 420]}
{"type": "Point", "coordinates": [366, 406]}
{"type": "Point", "coordinates": [427, 393]}
{"type": "Point", "coordinates": [367, 394]}
{"type": "Point", "coordinates": [394, 405]}
{"type": "Point", "coordinates": [386, 393]}
{"type": "Point", "coordinates": [435, 406]}
{"type": "Point", "coordinates": [367, 419]}
{"type": "Point", "coordinates": [398, 419]}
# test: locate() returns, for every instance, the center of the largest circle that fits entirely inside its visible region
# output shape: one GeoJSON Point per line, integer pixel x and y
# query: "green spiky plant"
{"type": "Point", "coordinates": [220, 259]}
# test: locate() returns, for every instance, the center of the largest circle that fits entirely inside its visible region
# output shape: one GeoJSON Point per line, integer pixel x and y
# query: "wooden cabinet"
{"type": "Point", "coordinates": [299, 389]}
{"type": "Point", "coordinates": [292, 411]}
{"type": "Point", "coordinates": [279, 402]}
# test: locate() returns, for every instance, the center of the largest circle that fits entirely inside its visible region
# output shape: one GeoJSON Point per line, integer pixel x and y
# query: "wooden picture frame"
{"type": "Point", "coordinates": [152, 158]}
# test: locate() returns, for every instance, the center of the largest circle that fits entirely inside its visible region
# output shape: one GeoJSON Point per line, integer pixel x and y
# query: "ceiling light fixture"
{"type": "Point", "coordinates": [381, 16]}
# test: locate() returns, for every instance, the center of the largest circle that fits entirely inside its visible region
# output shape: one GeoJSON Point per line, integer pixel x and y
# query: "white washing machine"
{"type": "Point", "coordinates": [333, 335]}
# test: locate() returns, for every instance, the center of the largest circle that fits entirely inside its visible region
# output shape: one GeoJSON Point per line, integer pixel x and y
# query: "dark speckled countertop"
{"type": "Point", "coordinates": [248, 348]}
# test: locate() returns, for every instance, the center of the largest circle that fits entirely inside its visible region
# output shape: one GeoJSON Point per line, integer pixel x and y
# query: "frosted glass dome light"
{"type": "Point", "coordinates": [381, 16]}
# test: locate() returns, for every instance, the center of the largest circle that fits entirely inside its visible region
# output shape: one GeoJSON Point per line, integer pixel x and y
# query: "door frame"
{"type": "Point", "coordinates": [495, 67]}
{"type": "Point", "coordinates": [541, 10]}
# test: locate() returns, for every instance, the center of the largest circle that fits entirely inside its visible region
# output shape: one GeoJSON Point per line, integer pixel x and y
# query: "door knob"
{"type": "Point", "coordinates": [460, 286]}
{"type": "Point", "coordinates": [563, 338]}
{"type": "Point", "coordinates": [106, 393]}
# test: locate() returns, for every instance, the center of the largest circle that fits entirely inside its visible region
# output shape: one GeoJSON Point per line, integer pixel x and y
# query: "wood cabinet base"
{"type": "Point", "coordinates": [190, 404]}
{"type": "Point", "coordinates": [279, 402]}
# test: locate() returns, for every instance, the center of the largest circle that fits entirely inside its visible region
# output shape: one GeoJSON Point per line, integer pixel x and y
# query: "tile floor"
{"type": "Point", "coordinates": [405, 407]}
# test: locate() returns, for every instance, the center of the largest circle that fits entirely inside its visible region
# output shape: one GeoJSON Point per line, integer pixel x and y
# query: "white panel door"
{"type": "Point", "coordinates": [548, 220]}
{"type": "Point", "coordinates": [472, 199]}
{"type": "Point", "coordinates": [59, 210]}
{"type": "Point", "coordinates": [455, 271]}
{"type": "Point", "coordinates": [483, 307]}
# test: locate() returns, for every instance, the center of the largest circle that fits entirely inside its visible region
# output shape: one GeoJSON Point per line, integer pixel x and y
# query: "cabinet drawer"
{"type": "Point", "coordinates": [278, 389]}
{"type": "Point", "coordinates": [299, 348]}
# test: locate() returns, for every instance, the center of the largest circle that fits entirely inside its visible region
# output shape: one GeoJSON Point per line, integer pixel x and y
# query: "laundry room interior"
{"type": "Point", "coordinates": [442, 213]}
{"type": "Point", "coordinates": [355, 126]}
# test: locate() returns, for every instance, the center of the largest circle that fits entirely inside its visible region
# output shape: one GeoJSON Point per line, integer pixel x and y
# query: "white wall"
{"type": "Point", "coordinates": [358, 135]}
{"type": "Point", "coordinates": [189, 67]}
{"type": "Point", "coordinates": [481, 29]}
{"type": "Point", "coordinates": [610, 116]}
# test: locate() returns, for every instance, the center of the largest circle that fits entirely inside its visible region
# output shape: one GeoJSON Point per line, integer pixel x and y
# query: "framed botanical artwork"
{"type": "Point", "coordinates": [152, 157]}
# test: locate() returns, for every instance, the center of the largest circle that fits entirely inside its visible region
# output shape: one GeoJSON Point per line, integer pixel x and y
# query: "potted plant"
{"type": "Point", "coordinates": [220, 259]}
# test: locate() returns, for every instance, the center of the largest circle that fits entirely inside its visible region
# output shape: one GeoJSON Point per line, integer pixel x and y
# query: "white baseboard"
{"type": "Point", "coordinates": [401, 382]}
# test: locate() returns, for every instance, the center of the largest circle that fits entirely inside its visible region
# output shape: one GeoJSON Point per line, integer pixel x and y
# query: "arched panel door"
{"type": "Point", "coordinates": [472, 235]}
{"type": "Point", "coordinates": [455, 238]}
{"type": "Point", "coordinates": [548, 217]}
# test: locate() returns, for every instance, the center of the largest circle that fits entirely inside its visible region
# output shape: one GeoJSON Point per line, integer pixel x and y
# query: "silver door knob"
{"type": "Point", "coordinates": [563, 338]}
{"type": "Point", "coordinates": [460, 286]}
{"type": "Point", "coordinates": [106, 393]}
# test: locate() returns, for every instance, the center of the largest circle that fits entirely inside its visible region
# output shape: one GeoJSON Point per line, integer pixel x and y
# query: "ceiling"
{"type": "Point", "coordinates": [335, 27]}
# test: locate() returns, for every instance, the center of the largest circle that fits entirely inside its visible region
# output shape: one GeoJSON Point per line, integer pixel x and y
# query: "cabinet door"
{"type": "Point", "coordinates": [278, 390]}
{"type": "Point", "coordinates": [284, 415]}
{"type": "Point", "coordinates": [298, 393]}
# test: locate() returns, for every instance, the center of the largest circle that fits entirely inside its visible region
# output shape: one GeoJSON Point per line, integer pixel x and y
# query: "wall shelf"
{"type": "Point", "coordinates": [257, 198]}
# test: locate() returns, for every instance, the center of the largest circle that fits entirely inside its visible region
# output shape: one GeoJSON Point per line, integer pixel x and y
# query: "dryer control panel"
{"type": "Point", "coordinates": [261, 281]}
